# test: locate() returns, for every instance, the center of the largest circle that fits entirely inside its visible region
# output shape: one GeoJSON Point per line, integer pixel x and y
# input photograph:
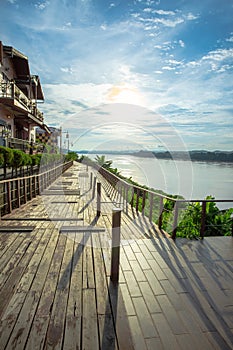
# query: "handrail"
{"type": "Point", "coordinates": [140, 195]}
{"type": "Point", "coordinates": [17, 191]}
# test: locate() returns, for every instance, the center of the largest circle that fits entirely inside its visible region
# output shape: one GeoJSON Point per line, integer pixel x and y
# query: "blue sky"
{"type": "Point", "coordinates": [137, 74]}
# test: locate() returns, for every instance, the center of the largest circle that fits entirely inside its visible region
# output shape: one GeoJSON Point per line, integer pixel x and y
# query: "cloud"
{"type": "Point", "coordinates": [42, 5]}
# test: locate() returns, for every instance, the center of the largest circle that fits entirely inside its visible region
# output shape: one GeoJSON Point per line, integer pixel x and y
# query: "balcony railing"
{"type": "Point", "coordinates": [24, 145]}
{"type": "Point", "coordinates": [9, 90]}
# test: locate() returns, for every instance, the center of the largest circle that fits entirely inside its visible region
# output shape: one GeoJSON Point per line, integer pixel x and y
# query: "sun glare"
{"type": "Point", "coordinates": [125, 93]}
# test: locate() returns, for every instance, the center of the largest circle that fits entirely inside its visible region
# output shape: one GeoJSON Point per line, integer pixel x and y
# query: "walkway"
{"type": "Point", "coordinates": [55, 288]}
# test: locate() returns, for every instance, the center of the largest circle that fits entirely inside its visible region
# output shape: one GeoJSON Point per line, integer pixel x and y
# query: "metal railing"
{"type": "Point", "coordinates": [10, 90]}
{"type": "Point", "coordinates": [17, 191]}
{"type": "Point", "coordinates": [159, 208]}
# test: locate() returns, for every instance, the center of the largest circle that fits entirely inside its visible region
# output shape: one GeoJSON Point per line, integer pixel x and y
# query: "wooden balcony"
{"type": "Point", "coordinates": [13, 97]}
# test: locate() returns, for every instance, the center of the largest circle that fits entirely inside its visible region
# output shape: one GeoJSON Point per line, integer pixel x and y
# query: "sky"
{"type": "Point", "coordinates": [123, 75]}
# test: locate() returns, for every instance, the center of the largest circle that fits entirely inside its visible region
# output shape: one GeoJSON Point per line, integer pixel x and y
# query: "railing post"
{"type": "Point", "coordinates": [25, 190]}
{"type": "Point", "coordinates": [18, 192]}
{"type": "Point", "coordinates": [143, 201]}
{"type": "Point", "coordinates": [151, 206]}
{"type": "Point", "coordinates": [232, 225]}
{"type": "Point", "coordinates": [203, 217]}
{"type": "Point", "coordinates": [126, 199]}
{"type": "Point", "coordinates": [30, 187]}
{"type": "Point", "coordinates": [98, 198]}
{"type": "Point", "coordinates": [137, 198]}
{"type": "Point", "coordinates": [160, 223]}
{"type": "Point", "coordinates": [175, 220]}
{"type": "Point", "coordinates": [132, 199]}
{"type": "Point", "coordinates": [116, 237]}
{"type": "Point", "coordinates": [91, 180]}
{"type": "Point", "coordinates": [94, 186]}
{"type": "Point", "coordinates": [9, 196]}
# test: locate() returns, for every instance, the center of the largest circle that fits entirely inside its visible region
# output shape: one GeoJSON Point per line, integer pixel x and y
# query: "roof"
{"type": "Point", "coordinates": [23, 76]}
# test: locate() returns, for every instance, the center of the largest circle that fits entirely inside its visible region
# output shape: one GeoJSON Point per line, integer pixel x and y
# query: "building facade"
{"type": "Point", "coordinates": [20, 93]}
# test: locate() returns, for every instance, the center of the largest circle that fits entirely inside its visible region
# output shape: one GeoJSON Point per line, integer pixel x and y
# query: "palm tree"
{"type": "Point", "coordinates": [101, 161]}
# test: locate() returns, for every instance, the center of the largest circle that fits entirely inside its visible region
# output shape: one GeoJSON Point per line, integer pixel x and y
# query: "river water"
{"type": "Point", "coordinates": [192, 180]}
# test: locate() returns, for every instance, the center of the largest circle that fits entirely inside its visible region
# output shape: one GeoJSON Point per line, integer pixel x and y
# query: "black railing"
{"type": "Point", "coordinates": [164, 210]}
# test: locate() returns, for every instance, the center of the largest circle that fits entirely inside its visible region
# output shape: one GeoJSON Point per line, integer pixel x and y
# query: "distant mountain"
{"type": "Point", "coordinates": [194, 155]}
{"type": "Point", "coordinates": [201, 156]}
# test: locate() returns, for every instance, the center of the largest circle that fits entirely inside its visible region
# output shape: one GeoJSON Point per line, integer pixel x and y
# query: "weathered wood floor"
{"type": "Point", "coordinates": [55, 290]}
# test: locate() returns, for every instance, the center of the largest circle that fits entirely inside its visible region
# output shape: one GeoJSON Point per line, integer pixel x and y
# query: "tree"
{"type": "Point", "coordinates": [101, 161]}
{"type": "Point", "coordinates": [71, 156]}
{"type": "Point", "coordinates": [7, 155]}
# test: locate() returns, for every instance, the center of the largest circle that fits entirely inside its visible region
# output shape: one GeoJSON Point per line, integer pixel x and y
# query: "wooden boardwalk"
{"type": "Point", "coordinates": [55, 288]}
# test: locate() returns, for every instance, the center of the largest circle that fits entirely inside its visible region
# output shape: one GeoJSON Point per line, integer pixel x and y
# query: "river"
{"type": "Point", "coordinates": [192, 180]}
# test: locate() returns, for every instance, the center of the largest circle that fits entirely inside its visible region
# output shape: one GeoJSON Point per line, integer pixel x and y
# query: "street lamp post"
{"type": "Point", "coordinates": [67, 138]}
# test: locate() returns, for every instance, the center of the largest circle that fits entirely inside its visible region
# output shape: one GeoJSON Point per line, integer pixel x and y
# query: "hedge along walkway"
{"type": "Point", "coordinates": [55, 283]}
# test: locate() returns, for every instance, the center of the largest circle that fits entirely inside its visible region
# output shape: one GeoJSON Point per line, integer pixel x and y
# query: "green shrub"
{"type": "Point", "coordinates": [7, 154]}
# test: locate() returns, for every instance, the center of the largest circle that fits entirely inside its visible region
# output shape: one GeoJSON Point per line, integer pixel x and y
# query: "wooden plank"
{"type": "Point", "coordinates": [16, 229]}
{"type": "Point", "coordinates": [132, 284]}
{"type": "Point", "coordinates": [56, 326]}
{"type": "Point", "coordinates": [144, 318]}
{"type": "Point", "coordinates": [172, 316]}
{"type": "Point", "coordinates": [149, 297]}
{"type": "Point", "coordinates": [166, 335]}
{"type": "Point", "coordinates": [137, 335]}
{"type": "Point", "coordinates": [80, 228]}
{"type": "Point", "coordinates": [154, 343]}
{"type": "Point", "coordinates": [90, 339]}
{"type": "Point", "coordinates": [124, 338]}
{"type": "Point", "coordinates": [73, 330]}
{"type": "Point", "coordinates": [20, 332]}
{"type": "Point", "coordinates": [129, 308]}
{"type": "Point", "coordinates": [88, 272]}
{"type": "Point", "coordinates": [138, 272]}
{"type": "Point", "coordinates": [154, 283]}
{"type": "Point", "coordinates": [103, 302]}
{"type": "Point", "coordinates": [107, 332]}
{"type": "Point", "coordinates": [10, 316]}
{"type": "Point", "coordinates": [17, 273]}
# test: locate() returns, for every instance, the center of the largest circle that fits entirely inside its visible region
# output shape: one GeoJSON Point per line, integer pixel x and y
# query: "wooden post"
{"type": "Point", "coordinates": [137, 198]}
{"type": "Point", "coordinates": [93, 190]}
{"type": "Point", "coordinates": [203, 216]}
{"type": "Point", "coordinates": [151, 206]}
{"type": "Point", "coordinates": [9, 196]}
{"type": "Point", "coordinates": [160, 213]}
{"type": "Point", "coordinates": [98, 198]}
{"type": "Point", "coordinates": [18, 192]}
{"type": "Point", "coordinates": [25, 190]}
{"type": "Point", "coordinates": [143, 201]}
{"type": "Point", "coordinates": [175, 220]}
{"type": "Point", "coordinates": [232, 225]}
{"type": "Point", "coordinates": [126, 199]}
{"type": "Point", "coordinates": [116, 238]}
{"type": "Point", "coordinates": [91, 180]}
{"type": "Point", "coordinates": [30, 187]}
